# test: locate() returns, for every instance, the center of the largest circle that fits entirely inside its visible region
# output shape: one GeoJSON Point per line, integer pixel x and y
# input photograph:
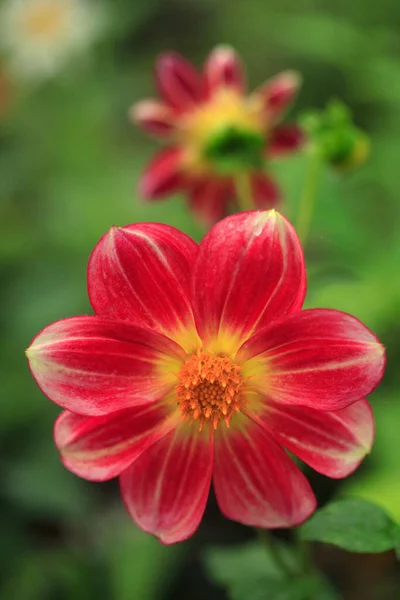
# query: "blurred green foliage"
{"type": "Point", "coordinates": [69, 165]}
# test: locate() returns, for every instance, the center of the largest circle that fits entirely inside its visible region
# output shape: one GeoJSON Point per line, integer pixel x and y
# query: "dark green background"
{"type": "Point", "coordinates": [69, 165]}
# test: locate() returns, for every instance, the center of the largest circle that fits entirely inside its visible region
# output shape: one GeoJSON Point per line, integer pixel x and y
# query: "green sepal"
{"type": "Point", "coordinates": [232, 150]}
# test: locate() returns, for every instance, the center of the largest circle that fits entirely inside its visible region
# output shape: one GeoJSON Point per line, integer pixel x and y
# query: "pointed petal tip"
{"type": "Point", "coordinates": [32, 354]}
{"type": "Point", "coordinates": [275, 216]}
{"type": "Point", "coordinates": [167, 57]}
{"type": "Point", "coordinates": [177, 80]}
{"type": "Point", "coordinates": [114, 232]}
{"type": "Point", "coordinates": [138, 112]}
{"type": "Point", "coordinates": [292, 79]}
{"type": "Point", "coordinates": [263, 217]}
{"type": "Point", "coordinates": [224, 51]}
{"type": "Point", "coordinates": [166, 61]}
{"type": "Point", "coordinates": [163, 175]}
{"type": "Point", "coordinates": [153, 116]}
{"type": "Point", "coordinates": [145, 189]}
{"type": "Point", "coordinates": [224, 69]}
{"type": "Point", "coordinates": [278, 93]}
{"type": "Point", "coordinates": [134, 112]}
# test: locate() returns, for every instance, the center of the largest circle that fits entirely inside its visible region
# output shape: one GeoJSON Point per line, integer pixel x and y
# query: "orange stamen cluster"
{"type": "Point", "coordinates": [210, 389]}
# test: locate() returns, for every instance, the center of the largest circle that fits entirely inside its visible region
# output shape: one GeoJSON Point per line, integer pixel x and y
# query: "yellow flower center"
{"type": "Point", "coordinates": [44, 18]}
{"type": "Point", "coordinates": [210, 389]}
{"type": "Point", "coordinates": [223, 133]}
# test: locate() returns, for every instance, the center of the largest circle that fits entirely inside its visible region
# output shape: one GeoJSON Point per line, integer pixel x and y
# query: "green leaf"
{"type": "Point", "coordinates": [139, 566]}
{"type": "Point", "coordinates": [301, 588]}
{"type": "Point", "coordinates": [249, 572]}
{"type": "Point", "coordinates": [352, 524]}
{"type": "Point", "coordinates": [245, 563]}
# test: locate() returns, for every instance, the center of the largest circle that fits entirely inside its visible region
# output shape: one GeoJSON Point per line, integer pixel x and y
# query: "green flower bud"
{"type": "Point", "coordinates": [332, 132]}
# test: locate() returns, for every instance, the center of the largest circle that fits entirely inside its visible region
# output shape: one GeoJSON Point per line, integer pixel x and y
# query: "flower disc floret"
{"type": "Point", "coordinates": [210, 389]}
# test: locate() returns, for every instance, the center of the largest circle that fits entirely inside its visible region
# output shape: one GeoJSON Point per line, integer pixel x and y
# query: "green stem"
{"type": "Point", "coordinates": [304, 553]}
{"type": "Point", "coordinates": [243, 192]}
{"type": "Point", "coordinates": [307, 199]}
{"type": "Point", "coordinates": [274, 551]}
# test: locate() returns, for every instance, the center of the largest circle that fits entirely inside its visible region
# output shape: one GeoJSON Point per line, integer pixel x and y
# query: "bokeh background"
{"type": "Point", "coordinates": [69, 165]}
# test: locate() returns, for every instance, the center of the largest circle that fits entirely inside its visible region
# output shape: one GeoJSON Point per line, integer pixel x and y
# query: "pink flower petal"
{"type": "Point", "coordinates": [285, 139]}
{"type": "Point", "coordinates": [249, 271]}
{"type": "Point", "coordinates": [224, 69]}
{"type": "Point", "coordinates": [153, 116]}
{"type": "Point", "coordinates": [266, 193]}
{"type": "Point", "coordinates": [163, 175]}
{"type": "Point", "coordinates": [278, 93]}
{"type": "Point", "coordinates": [141, 273]}
{"type": "Point", "coordinates": [332, 443]}
{"type": "Point", "coordinates": [94, 366]}
{"type": "Point", "coordinates": [166, 489]}
{"type": "Point", "coordinates": [178, 81]}
{"type": "Point", "coordinates": [100, 448]}
{"type": "Point", "coordinates": [208, 199]}
{"type": "Point", "coordinates": [256, 483]}
{"type": "Point", "coordinates": [320, 358]}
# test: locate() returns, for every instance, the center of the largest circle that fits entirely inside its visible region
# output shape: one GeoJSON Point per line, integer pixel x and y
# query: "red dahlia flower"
{"type": "Point", "coordinates": [200, 365]}
{"type": "Point", "coordinates": [216, 132]}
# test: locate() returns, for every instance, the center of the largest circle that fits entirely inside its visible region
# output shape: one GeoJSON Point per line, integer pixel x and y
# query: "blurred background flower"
{"type": "Point", "coordinates": [69, 160]}
{"type": "Point", "coordinates": [220, 137]}
{"type": "Point", "coordinates": [39, 37]}
{"type": "Point", "coordinates": [335, 137]}
{"type": "Point", "coordinates": [5, 90]}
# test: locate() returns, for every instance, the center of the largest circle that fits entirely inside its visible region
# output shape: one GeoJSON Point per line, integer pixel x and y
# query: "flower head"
{"type": "Point", "coordinates": [215, 130]}
{"type": "Point", "coordinates": [199, 364]}
{"type": "Point", "coordinates": [41, 35]}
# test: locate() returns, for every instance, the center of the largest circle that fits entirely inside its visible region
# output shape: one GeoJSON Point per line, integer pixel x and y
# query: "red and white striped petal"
{"type": "Point", "coordinates": [332, 443]}
{"type": "Point", "coordinates": [166, 489]}
{"type": "Point", "coordinates": [93, 366]}
{"type": "Point", "coordinates": [178, 81]}
{"type": "Point", "coordinates": [153, 116]}
{"type": "Point", "coordinates": [320, 358]}
{"type": "Point", "coordinates": [277, 94]}
{"type": "Point", "coordinates": [266, 194]}
{"type": "Point", "coordinates": [163, 175]}
{"type": "Point", "coordinates": [208, 199]}
{"type": "Point", "coordinates": [100, 448]}
{"type": "Point", "coordinates": [256, 483]}
{"type": "Point", "coordinates": [141, 273]}
{"type": "Point", "coordinates": [224, 69]}
{"type": "Point", "coordinates": [285, 139]}
{"type": "Point", "coordinates": [249, 271]}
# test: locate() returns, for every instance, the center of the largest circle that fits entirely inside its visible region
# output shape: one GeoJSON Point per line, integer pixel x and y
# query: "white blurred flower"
{"type": "Point", "coordinates": [40, 36]}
